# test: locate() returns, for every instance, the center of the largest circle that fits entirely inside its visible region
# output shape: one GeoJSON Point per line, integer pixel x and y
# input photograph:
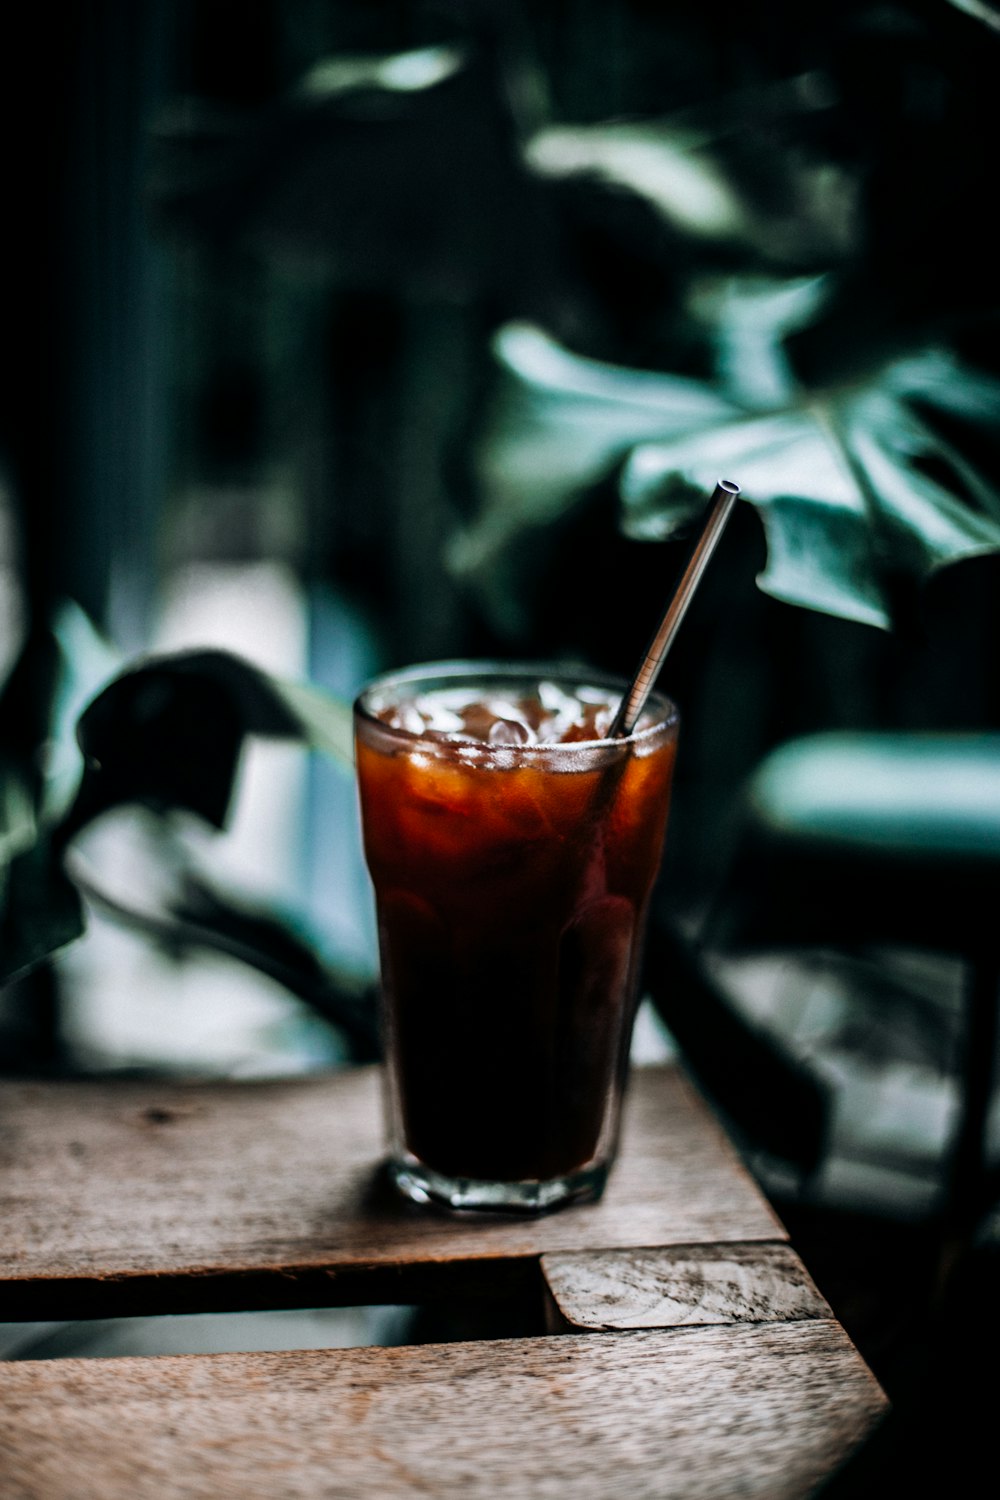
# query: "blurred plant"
{"type": "Point", "coordinates": [800, 251]}
{"type": "Point", "coordinates": [860, 496]}
{"type": "Point", "coordinates": [772, 267]}
{"type": "Point", "coordinates": [164, 735]}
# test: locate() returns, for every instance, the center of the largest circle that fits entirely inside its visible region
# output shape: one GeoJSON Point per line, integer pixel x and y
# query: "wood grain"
{"type": "Point", "coordinates": [695, 1414]}
{"type": "Point", "coordinates": [147, 1197]}
{"type": "Point", "coordinates": [681, 1286]}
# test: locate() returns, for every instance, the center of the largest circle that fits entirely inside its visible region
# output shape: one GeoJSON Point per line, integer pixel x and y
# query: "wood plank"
{"type": "Point", "coordinates": [269, 1193]}
{"type": "Point", "coordinates": [680, 1287]}
{"type": "Point", "coordinates": [764, 1411]}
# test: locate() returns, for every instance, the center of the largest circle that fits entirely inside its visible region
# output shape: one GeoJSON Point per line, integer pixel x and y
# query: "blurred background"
{"type": "Point", "coordinates": [342, 334]}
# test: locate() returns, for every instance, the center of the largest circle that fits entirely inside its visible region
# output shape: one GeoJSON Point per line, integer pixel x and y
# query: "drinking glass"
{"type": "Point", "coordinates": [512, 883]}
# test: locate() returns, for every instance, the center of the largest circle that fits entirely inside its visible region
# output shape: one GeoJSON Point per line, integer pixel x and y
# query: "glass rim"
{"type": "Point", "coordinates": [486, 670]}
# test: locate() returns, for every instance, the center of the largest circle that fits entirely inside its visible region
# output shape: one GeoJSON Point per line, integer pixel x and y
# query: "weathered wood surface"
{"type": "Point", "coordinates": [681, 1286]}
{"type": "Point", "coordinates": [126, 1197]}
{"type": "Point", "coordinates": [695, 1414]}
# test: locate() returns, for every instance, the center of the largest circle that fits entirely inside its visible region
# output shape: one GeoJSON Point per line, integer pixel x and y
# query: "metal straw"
{"type": "Point", "coordinates": [723, 500]}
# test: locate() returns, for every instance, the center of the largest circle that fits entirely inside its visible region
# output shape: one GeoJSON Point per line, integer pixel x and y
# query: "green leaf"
{"type": "Point", "coordinates": [559, 423]}
{"type": "Point", "coordinates": [981, 10]}
{"type": "Point", "coordinates": [58, 670]}
{"type": "Point", "coordinates": [400, 72]}
{"type": "Point", "coordinates": [40, 908]}
{"type": "Point", "coordinates": [749, 317]}
{"type": "Point", "coordinates": [660, 161]}
{"type": "Point", "coordinates": [60, 666]}
{"type": "Point", "coordinates": [859, 494]}
{"type": "Point", "coordinates": [323, 723]}
{"type": "Point", "coordinates": [165, 734]}
{"type": "Point", "coordinates": [86, 660]}
{"type": "Point", "coordinates": [847, 503]}
{"type": "Point", "coordinates": [171, 897]}
{"type": "Point", "coordinates": [818, 541]}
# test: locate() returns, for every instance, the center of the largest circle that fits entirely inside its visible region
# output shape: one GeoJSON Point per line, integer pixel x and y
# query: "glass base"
{"type": "Point", "coordinates": [421, 1184]}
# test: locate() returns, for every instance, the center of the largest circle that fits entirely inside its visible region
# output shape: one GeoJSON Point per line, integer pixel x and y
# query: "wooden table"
{"type": "Point", "coordinates": [688, 1353]}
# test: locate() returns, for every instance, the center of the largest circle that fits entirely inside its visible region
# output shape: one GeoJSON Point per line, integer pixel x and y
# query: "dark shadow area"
{"type": "Point", "coordinates": [445, 1321]}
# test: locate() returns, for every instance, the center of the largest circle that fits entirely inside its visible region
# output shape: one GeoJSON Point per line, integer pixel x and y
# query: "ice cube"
{"type": "Point", "coordinates": [510, 732]}
{"type": "Point", "coordinates": [595, 695]}
{"type": "Point", "coordinates": [436, 716]}
{"type": "Point", "coordinates": [408, 717]}
{"type": "Point", "coordinates": [603, 720]}
{"type": "Point", "coordinates": [480, 717]}
{"type": "Point", "coordinates": [557, 702]}
{"type": "Point", "coordinates": [503, 708]}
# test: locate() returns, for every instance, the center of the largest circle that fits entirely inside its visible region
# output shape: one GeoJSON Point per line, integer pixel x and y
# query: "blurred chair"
{"type": "Point", "coordinates": [852, 839]}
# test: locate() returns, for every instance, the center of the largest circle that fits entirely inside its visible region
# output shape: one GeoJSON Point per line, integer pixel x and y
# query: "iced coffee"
{"type": "Point", "coordinates": [512, 849]}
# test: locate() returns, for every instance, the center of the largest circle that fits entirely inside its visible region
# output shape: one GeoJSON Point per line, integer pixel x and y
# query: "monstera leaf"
{"type": "Point", "coordinates": [557, 425]}
{"type": "Point", "coordinates": [860, 492]}
{"type": "Point", "coordinates": [850, 511]}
